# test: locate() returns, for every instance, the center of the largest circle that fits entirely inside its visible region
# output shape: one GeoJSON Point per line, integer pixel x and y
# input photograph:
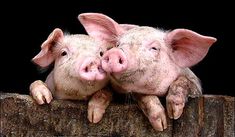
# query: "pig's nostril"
{"type": "Point", "coordinates": [120, 61]}
{"type": "Point", "coordinates": [106, 59]}
{"type": "Point", "coordinates": [86, 69]}
{"type": "Point", "coordinates": [100, 69]}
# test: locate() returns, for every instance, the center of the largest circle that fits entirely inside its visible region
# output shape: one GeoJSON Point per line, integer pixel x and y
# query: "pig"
{"type": "Point", "coordinates": [150, 63]}
{"type": "Point", "coordinates": [77, 72]}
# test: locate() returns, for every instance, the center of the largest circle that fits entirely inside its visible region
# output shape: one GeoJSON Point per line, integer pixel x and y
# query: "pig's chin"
{"type": "Point", "coordinates": [116, 75]}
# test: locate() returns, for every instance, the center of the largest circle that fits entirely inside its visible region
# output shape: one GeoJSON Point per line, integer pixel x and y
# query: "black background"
{"type": "Point", "coordinates": [26, 25]}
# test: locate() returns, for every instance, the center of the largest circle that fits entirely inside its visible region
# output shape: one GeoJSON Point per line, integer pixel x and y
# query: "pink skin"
{"type": "Point", "coordinates": [91, 70]}
{"type": "Point", "coordinates": [154, 60]}
{"type": "Point", "coordinates": [77, 72]}
{"type": "Point", "coordinates": [115, 61]}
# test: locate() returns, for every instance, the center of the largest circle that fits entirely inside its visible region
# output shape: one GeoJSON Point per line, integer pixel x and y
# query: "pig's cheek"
{"type": "Point", "coordinates": [157, 56]}
{"type": "Point", "coordinates": [132, 61]}
{"type": "Point", "coordinates": [76, 65]}
{"type": "Point", "coordinates": [61, 61]}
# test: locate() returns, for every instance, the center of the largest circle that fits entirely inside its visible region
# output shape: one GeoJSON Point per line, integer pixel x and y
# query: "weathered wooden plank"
{"type": "Point", "coordinates": [207, 116]}
{"type": "Point", "coordinates": [188, 124]}
{"type": "Point", "coordinates": [218, 116]}
{"type": "Point", "coordinates": [213, 116]}
{"type": "Point", "coordinates": [202, 117]}
{"type": "Point", "coordinates": [20, 116]}
{"type": "Point", "coordinates": [229, 117]}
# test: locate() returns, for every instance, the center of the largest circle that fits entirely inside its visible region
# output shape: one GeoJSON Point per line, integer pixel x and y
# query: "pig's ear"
{"type": "Point", "coordinates": [100, 26]}
{"type": "Point", "coordinates": [127, 27]}
{"type": "Point", "coordinates": [45, 57]}
{"type": "Point", "coordinates": [188, 47]}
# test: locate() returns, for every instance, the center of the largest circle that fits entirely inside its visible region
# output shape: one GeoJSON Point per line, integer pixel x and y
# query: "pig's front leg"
{"type": "Point", "coordinates": [153, 109]}
{"type": "Point", "coordinates": [97, 105]}
{"type": "Point", "coordinates": [40, 92]}
{"type": "Point", "coordinates": [185, 85]}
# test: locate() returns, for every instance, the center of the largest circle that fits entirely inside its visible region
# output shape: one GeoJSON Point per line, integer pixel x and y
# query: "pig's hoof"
{"type": "Point", "coordinates": [175, 106]}
{"type": "Point", "coordinates": [95, 114]}
{"type": "Point", "coordinates": [158, 119]}
{"type": "Point", "coordinates": [41, 94]}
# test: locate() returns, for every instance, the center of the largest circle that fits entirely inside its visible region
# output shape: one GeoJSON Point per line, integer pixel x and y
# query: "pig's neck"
{"type": "Point", "coordinates": [162, 87]}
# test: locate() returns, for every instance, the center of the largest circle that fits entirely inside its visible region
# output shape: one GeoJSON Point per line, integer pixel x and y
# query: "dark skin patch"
{"type": "Point", "coordinates": [68, 92]}
{"type": "Point", "coordinates": [87, 85]}
{"type": "Point", "coordinates": [71, 93]}
{"type": "Point", "coordinates": [181, 86]}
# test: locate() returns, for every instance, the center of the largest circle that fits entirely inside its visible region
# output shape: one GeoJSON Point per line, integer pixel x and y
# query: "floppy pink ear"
{"type": "Point", "coordinates": [188, 47]}
{"type": "Point", "coordinates": [45, 57]}
{"type": "Point", "coordinates": [100, 26]}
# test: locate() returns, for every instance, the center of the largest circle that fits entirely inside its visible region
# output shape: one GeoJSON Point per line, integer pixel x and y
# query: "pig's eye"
{"type": "Point", "coordinates": [64, 53]}
{"type": "Point", "coordinates": [154, 48]}
{"type": "Point", "coordinates": [101, 53]}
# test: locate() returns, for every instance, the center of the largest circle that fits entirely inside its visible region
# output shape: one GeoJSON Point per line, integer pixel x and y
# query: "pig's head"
{"type": "Point", "coordinates": [145, 59]}
{"type": "Point", "coordinates": [76, 59]}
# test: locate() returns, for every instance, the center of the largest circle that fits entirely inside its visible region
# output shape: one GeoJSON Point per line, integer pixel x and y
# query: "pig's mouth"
{"type": "Point", "coordinates": [128, 76]}
{"type": "Point", "coordinates": [89, 73]}
{"type": "Point", "coordinates": [93, 75]}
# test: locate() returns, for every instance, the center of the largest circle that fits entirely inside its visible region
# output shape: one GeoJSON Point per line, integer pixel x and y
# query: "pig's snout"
{"type": "Point", "coordinates": [114, 61]}
{"type": "Point", "coordinates": [91, 70]}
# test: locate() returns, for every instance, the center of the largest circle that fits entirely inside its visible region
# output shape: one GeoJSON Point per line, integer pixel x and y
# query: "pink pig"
{"type": "Point", "coordinates": [150, 62]}
{"type": "Point", "coordinates": [77, 72]}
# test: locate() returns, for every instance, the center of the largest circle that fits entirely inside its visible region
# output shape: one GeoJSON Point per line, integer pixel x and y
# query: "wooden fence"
{"type": "Point", "coordinates": [206, 116]}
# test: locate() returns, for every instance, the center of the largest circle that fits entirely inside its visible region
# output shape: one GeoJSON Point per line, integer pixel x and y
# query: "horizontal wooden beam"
{"type": "Point", "coordinates": [204, 116]}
